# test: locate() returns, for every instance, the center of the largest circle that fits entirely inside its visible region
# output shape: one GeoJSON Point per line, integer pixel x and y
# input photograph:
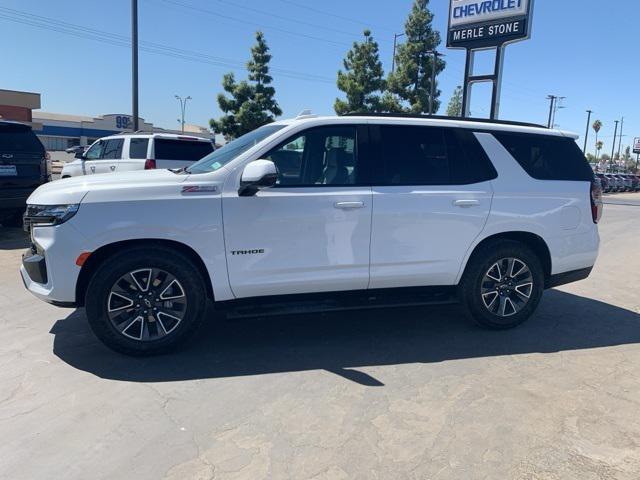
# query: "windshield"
{"type": "Point", "coordinates": [233, 149]}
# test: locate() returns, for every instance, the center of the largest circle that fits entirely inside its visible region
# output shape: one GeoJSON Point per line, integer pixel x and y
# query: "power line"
{"type": "Point", "coordinates": [149, 47]}
{"type": "Point", "coordinates": [255, 24]}
{"type": "Point", "coordinates": [330, 14]}
{"type": "Point", "coordinates": [285, 18]}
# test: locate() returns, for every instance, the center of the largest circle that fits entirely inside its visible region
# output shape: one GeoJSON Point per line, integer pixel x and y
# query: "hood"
{"type": "Point", "coordinates": [72, 190]}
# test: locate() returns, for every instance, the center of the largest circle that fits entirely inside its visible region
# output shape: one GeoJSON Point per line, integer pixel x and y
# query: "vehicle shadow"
{"type": "Point", "coordinates": [342, 342]}
{"type": "Point", "coordinates": [13, 238]}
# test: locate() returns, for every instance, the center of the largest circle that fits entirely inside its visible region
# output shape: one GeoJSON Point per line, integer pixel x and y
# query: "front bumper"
{"type": "Point", "coordinates": [35, 266]}
{"type": "Point", "coordinates": [48, 269]}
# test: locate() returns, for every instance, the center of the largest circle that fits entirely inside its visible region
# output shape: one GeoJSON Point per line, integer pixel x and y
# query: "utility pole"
{"type": "Point", "coordinates": [586, 135]}
{"type": "Point", "coordinates": [615, 135]}
{"type": "Point", "coordinates": [396, 36]}
{"type": "Point", "coordinates": [620, 143]}
{"type": "Point", "coordinates": [552, 104]}
{"type": "Point", "coordinates": [558, 105]}
{"type": "Point", "coordinates": [183, 108]}
{"type": "Point", "coordinates": [134, 62]}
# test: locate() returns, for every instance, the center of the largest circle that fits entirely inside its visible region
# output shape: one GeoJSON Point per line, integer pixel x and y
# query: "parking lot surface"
{"type": "Point", "coordinates": [415, 393]}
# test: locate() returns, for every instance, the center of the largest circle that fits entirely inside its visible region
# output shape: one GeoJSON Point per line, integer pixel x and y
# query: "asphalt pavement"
{"type": "Point", "coordinates": [406, 393]}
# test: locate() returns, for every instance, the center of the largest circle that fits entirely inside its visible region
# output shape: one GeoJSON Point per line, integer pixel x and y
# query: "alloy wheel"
{"type": "Point", "coordinates": [507, 287]}
{"type": "Point", "coordinates": [146, 304]}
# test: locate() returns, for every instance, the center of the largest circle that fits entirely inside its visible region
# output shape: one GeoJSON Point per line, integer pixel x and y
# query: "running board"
{"type": "Point", "coordinates": [337, 301]}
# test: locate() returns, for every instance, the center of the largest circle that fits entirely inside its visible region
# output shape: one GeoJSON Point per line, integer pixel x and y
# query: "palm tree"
{"type": "Point", "coordinates": [597, 126]}
{"type": "Point", "coordinates": [599, 145]}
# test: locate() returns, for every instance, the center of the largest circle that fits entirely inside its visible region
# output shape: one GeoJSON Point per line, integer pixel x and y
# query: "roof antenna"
{"type": "Point", "coordinates": [305, 114]}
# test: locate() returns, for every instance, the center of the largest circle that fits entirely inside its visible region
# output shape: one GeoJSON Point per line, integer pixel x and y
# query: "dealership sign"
{"type": "Point", "coordinates": [475, 24]}
{"type": "Point", "coordinates": [636, 145]}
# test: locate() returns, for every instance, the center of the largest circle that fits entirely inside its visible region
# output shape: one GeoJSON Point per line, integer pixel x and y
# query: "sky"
{"type": "Point", "coordinates": [74, 52]}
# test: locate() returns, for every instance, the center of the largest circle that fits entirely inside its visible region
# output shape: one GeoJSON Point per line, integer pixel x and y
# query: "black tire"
{"type": "Point", "coordinates": [474, 283]}
{"type": "Point", "coordinates": [108, 277]}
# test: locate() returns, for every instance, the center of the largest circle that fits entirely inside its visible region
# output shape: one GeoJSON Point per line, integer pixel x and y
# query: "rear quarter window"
{"type": "Point", "coordinates": [547, 157]}
{"type": "Point", "coordinates": [181, 149]}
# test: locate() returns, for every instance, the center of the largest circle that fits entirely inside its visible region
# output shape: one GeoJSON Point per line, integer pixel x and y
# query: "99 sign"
{"type": "Point", "coordinates": [123, 122]}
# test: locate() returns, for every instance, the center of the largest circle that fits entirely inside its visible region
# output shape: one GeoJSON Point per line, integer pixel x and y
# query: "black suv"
{"type": "Point", "coordinates": [23, 168]}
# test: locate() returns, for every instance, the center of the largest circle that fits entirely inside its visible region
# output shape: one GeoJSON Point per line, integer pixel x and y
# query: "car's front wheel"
{"type": "Point", "coordinates": [502, 284]}
{"type": "Point", "coordinates": [145, 301]}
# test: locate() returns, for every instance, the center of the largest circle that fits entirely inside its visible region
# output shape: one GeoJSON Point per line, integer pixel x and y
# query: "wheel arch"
{"type": "Point", "coordinates": [531, 240]}
{"type": "Point", "coordinates": [97, 257]}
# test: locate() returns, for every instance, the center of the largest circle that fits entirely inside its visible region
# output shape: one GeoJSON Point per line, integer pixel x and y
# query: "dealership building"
{"type": "Point", "coordinates": [59, 131]}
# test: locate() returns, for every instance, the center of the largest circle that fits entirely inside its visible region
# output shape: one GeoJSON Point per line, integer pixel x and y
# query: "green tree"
{"type": "Point", "coordinates": [363, 78]}
{"type": "Point", "coordinates": [411, 81]}
{"type": "Point", "coordinates": [599, 146]}
{"type": "Point", "coordinates": [597, 126]}
{"type": "Point", "coordinates": [251, 103]}
{"type": "Point", "coordinates": [455, 104]}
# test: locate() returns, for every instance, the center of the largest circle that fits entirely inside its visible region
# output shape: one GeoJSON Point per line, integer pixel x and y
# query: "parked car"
{"type": "Point", "coordinates": [140, 151]}
{"type": "Point", "coordinates": [24, 166]}
{"type": "Point", "coordinates": [604, 182]}
{"type": "Point", "coordinates": [76, 149]}
{"type": "Point", "coordinates": [618, 184]}
{"type": "Point", "coordinates": [633, 182]}
{"type": "Point", "coordinates": [382, 210]}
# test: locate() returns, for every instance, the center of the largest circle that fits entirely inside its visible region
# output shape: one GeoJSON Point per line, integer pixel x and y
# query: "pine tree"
{"type": "Point", "coordinates": [411, 81]}
{"type": "Point", "coordinates": [363, 78]}
{"type": "Point", "coordinates": [455, 104]}
{"type": "Point", "coordinates": [251, 103]}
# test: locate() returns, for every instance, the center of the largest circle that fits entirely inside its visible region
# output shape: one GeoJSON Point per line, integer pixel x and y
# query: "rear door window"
{"type": "Point", "coordinates": [138, 148]}
{"type": "Point", "coordinates": [189, 150]}
{"type": "Point", "coordinates": [19, 139]}
{"type": "Point", "coordinates": [547, 157]}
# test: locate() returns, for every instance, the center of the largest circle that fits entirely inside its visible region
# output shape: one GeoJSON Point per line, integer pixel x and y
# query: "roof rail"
{"type": "Point", "coordinates": [442, 117]}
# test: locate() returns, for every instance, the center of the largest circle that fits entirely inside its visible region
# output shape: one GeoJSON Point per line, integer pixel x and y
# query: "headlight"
{"type": "Point", "coordinates": [48, 215]}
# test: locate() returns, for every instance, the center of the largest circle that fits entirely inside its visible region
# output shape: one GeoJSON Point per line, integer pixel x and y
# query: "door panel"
{"type": "Point", "coordinates": [298, 240]}
{"type": "Point", "coordinates": [420, 236]}
{"type": "Point", "coordinates": [431, 199]}
{"type": "Point", "coordinates": [312, 232]}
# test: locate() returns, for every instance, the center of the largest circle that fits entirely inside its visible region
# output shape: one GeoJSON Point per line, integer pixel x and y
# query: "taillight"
{"type": "Point", "coordinates": [596, 201]}
{"type": "Point", "coordinates": [149, 164]}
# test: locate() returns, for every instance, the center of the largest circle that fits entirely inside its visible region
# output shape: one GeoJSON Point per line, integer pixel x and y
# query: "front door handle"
{"type": "Point", "coordinates": [93, 169]}
{"type": "Point", "coordinates": [466, 203]}
{"type": "Point", "coordinates": [112, 167]}
{"type": "Point", "coordinates": [348, 205]}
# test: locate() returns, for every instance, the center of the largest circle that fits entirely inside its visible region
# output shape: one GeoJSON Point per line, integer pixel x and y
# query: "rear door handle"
{"type": "Point", "coordinates": [348, 205]}
{"type": "Point", "coordinates": [112, 167]}
{"type": "Point", "coordinates": [466, 203]}
{"type": "Point", "coordinates": [93, 169]}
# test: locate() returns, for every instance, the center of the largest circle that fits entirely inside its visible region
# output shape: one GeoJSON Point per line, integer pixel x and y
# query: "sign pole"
{"type": "Point", "coordinates": [466, 90]}
{"type": "Point", "coordinates": [497, 83]}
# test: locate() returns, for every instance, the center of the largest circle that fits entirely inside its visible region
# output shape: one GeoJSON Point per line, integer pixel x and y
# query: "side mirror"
{"type": "Point", "coordinates": [256, 176]}
{"type": "Point", "coordinates": [79, 154]}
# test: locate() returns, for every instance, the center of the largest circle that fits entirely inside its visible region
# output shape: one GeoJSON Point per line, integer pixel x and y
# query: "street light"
{"type": "Point", "coordinates": [183, 108]}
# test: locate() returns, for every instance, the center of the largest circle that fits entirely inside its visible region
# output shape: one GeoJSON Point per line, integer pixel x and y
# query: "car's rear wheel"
{"type": "Point", "coordinates": [503, 284]}
{"type": "Point", "coordinates": [145, 301]}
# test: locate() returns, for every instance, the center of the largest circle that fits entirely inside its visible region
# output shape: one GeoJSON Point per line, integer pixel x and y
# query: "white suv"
{"type": "Point", "coordinates": [321, 213]}
{"type": "Point", "coordinates": [139, 151]}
